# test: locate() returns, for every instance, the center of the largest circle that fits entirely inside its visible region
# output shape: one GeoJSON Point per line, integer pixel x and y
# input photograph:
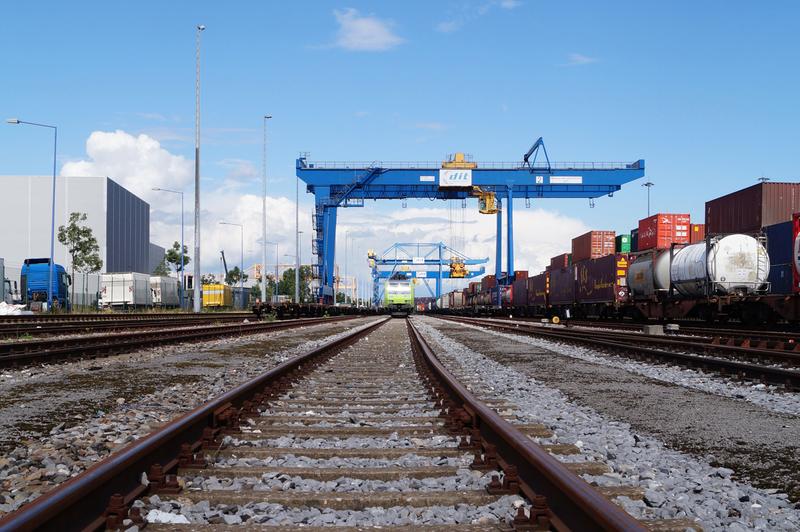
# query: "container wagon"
{"type": "Point", "coordinates": [125, 290]}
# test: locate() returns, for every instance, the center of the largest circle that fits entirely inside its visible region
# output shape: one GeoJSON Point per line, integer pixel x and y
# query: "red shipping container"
{"type": "Point", "coordinates": [520, 274]}
{"type": "Point", "coordinates": [697, 233]}
{"type": "Point", "coordinates": [488, 282]}
{"type": "Point", "coordinates": [602, 280]}
{"type": "Point", "coordinates": [593, 245]}
{"type": "Point", "coordinates": [661, 230]}
{"type": "Point", "coordinates": [519, 291]}
{"type": "Point", "coordinates": [749, 209]}
{"type": "Point", "coordinates": [560, 261]}
{"type": "Point", "coordinates": [796, 252]}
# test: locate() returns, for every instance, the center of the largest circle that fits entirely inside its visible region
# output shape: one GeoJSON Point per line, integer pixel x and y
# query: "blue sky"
{"type": "Point", "coordinates": [705, 92]}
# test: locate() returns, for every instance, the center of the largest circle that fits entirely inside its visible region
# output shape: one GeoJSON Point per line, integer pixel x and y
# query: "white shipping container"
{"type": "Point", "coordinates": [164, 291]}
{"type": "Point", "coordinates": [125, 289]}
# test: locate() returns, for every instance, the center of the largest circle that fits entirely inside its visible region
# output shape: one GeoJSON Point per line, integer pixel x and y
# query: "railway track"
{"type": "Point", "coordinates": [774, 366]}
{"type": "Point", "coordinates": [113, 316]}
{"type": "Point", "coordinates": [50, 350]}
{"type": "Point", "coordinates": [370, 429]}
{"type": "Point", "coordinates": [24, 331]}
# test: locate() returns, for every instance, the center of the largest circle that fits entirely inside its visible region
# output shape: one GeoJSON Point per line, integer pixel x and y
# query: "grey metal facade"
{"type": "Point", "coordinates": [127, 231]}
{"type": "Point", "coordinates": [155, 255]}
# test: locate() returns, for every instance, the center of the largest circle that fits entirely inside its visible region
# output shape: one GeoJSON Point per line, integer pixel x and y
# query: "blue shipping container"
{"type": "Point", "coordinates": [780, 278]}
{"type": "Point", "coordinates": [779, 242]}
{"type": "Point", "coordinates": [634, 240]}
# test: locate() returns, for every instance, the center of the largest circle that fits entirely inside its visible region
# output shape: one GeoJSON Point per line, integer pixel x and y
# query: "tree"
{"type": "Point", "coordinates": [208, 278]}
{"type": "Point", "coordinates": [81, 245]}
{"type": "Point", "coordinates": [255, 290]}
{"type": "Point", "coordinates": [173, 257]}
{"type": "Point", "coordinates": [162, 268]}
{"type": "Point", "coordinates": [234, 276]}
{"type": "Point", "coordinates": [286, 284]}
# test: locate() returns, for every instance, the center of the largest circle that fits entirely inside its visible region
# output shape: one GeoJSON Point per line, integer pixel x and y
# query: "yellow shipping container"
{"type": "Point", "coordinates": [217, 295]}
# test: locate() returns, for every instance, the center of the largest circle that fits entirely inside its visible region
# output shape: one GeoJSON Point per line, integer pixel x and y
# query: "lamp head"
{"type": "Point", "coordinates": [13, 120]}
{"type": "Point", "coordinates": [201, 27]}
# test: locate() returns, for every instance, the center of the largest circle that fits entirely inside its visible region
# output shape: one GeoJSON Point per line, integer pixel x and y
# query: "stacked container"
{"type": "Point", "coordinates": [539, 289]}
{"type": "Point", "coordinates": [697, 233]}
{"type": "Point", "coordinates": [622, 244]}
{"type": "Point", "coordinates": [592, 245]}
{"type": "Point", "coordinates": [750, 209]}
{"type": "Point", "coordinates": [634, 240]}
{"type": "Point", "coordinates": [662, 230]}
{"type": "Point", "coordinates": [488, 282]}
{"type": "Point", "coordinates": [561, 261]}
{"type": "Point", "coordinates": [562, 286]}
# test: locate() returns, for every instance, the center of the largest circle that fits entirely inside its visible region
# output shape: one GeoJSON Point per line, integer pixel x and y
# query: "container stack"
{"type": "Point", "coordinates": [561, 261]}
{"type": "Point", "coordinates": [697, 233]}
{"type": "Point", "coordinates": [750, 209]}
{"type": "Point", "coordinates": [622, 244]}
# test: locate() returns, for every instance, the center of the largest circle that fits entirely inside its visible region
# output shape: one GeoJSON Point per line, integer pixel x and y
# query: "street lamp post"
{"type": "Point", "coordinates": [275, 295]}
{"type": "Point", "coordinates": [346, 248]}
{"type": "Point", "coordinates": [264, 213]}
{"type": "Point", "coordinates": [51, 272]}
{"type": "Point", "coordinates": [649, 185]}
{"type": "Point", "coordinates": [197, 293]}
{"type": "Point", "coordinates": [297, 268]}
{"type": "Point", "coordinates": [182, 266]}
{"type": "Point", "coordinates": [241, 263]}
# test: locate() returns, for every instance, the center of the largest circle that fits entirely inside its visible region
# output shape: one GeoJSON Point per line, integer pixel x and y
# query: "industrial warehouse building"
{"type": "Point", "coordinates": [119, 219]}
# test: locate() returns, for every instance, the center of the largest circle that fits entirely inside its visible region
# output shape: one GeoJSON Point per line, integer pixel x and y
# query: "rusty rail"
{"type": "Point", "coordinates": [632, 345]}
{"type": "Point", "coordinates": [106, 490]}
{"type": "Point", "coordinates": [37, 351]}
{"type": "Point", "coordinates": [569, 502]}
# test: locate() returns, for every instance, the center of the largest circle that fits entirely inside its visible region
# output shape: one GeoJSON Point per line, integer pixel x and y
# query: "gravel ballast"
{"type": "Point", "coordinates": [676, 484]}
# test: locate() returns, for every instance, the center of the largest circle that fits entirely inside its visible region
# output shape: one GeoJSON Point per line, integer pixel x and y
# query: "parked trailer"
{"type": "Point", "coordinates": [125, 290]}
{"type": "Point", "coordinates": [164, 291]}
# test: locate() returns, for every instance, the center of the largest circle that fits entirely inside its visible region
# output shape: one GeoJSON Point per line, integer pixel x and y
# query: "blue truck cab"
{"type": "Point", "coordinates": [33, 278]}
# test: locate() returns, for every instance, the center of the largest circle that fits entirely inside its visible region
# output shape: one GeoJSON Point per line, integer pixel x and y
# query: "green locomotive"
{"type": "Point", "coordinates": [399, 295]}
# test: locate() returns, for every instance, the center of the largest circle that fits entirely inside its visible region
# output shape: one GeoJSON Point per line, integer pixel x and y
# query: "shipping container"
{"type": "Point", "coordinates": [562, 286]}
{"type": "Point", "coordinates": [697, 233]}
{"type": "Point", "coordinates": [125, 290]}
{"type": "Point", "coordinates": [634, 240]}
{"type": "Point", "coordinates": [780, 278]}
{"type": "Point", "coordinates": [519, 292]}
{"type": "Point", "coordinates": [473, 287]}
{"type": "Point", "coordinates": [602, 280]}
{"type": "Point", "coordinates": [561, 261]}
{"type": "Point", "coordinates": [506, 293]}
{"type": "Point", "coordinates": [164, 291]}
{"type": "Point", "coordinates": [750, 209]}
{"type": "Point", "coordinates": [488, 282]}
{"type": "Point", "coordinates": [622, 244]}
{"type": "Point", "coordinates": [217, 295]}
{"type": "Point", "coordinates": [539, 289]}
{"type": "Point", "coordinates": [662, 230]}
{"type": "Point", "coordinates": [780, 242]}
{"type": "Point", "coordinates": [796, 252]}
{"type": "Point", "coordinates": [520, 274]}
{"type": "Point", "coordinates": [592, 245]}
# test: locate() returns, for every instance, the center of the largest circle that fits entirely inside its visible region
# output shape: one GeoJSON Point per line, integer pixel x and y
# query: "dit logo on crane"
{"type": "Point", "coordinates": [455, 178]}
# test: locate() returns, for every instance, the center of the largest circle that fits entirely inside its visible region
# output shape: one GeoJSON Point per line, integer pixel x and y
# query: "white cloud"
{"type": "Point", "coordinates": [469, 12]}
{"type": "Point", "coordinates": [138, 163]}
{"type": "Point", "coordinates": [365, 33]}
{"type": "Point", "coordinates": [575, 59]}
{"type": "Point", "coordinates": [448, 26]}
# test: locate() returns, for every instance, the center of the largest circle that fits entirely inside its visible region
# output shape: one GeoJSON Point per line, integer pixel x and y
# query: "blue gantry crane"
{"type": "Point", "coordinates": [349, 184]}
{"type": "Point", "coordinates": [424, 262]}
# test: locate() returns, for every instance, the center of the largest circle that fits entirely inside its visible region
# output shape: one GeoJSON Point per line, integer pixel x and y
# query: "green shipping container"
{"type": "Point", "coordinates": [622, 244]}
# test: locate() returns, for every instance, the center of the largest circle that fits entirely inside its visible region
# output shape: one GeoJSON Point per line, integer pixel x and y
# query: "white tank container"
{"type": "Point", "coordinates": [733, 264]}
{"type": "Point", "coordinates": [649, 273]}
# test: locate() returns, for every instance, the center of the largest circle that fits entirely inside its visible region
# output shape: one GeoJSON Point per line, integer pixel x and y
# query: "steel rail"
{"type": "Point", "coordinates": [36, 351]}
{"type": "Point", "coordinates": [12, 330]}
{"type": "Point", "coordinates": [708, 345]}
{"type": "Point", "coordinates": [774, 375]}
{"type": "Point", "coordinates": [574, 503]}
{"type": "Point", "coordinates": [81, 502]}
{"type": "Point", "coordinates": [100, 317]}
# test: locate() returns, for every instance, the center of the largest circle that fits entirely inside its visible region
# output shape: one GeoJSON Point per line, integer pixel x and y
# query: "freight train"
{"type": "Point", "coordinates": [668, 269]}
